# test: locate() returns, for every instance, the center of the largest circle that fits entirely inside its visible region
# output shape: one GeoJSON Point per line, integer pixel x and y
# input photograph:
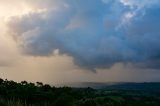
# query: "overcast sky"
{"type": "Point", "coordinates": [57, 41]}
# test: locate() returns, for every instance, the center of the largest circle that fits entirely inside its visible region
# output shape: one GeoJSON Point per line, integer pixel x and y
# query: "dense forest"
{"type": "Point", "coordinates": [39, 94]}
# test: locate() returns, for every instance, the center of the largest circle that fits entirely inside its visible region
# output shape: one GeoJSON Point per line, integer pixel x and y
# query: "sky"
{"type": "Point", "coordinates": [60, 41]}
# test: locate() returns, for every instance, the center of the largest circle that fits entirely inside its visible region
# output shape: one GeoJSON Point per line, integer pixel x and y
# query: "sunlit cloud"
{"type": "Point", "coordinates": [76, 38]}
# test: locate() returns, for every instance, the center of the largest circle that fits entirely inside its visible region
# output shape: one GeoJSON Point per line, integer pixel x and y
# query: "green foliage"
{"type": "Point", "coordinates": [39, 94]}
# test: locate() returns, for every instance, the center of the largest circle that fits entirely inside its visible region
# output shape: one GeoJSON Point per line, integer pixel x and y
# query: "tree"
{"type": "Point", "coordinates": [40, 84]}
{"type": "Point", "coordinates": [24, 82]}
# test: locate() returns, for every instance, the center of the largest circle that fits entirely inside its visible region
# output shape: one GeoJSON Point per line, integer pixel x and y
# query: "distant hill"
{"type": "Point", "coordinates": [123, 86]}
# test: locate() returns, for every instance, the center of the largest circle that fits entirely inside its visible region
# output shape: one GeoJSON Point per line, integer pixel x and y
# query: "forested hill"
{"type": "Point", "coordinates": [154, 86]}
{"type": "Point", "coordinates": [150, 86]}
{"type": "Point", "coordinates": [39, 94]}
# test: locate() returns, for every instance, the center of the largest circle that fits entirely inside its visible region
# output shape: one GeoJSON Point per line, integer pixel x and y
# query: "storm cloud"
{"type": "Point", "coordinates": [97, 34]}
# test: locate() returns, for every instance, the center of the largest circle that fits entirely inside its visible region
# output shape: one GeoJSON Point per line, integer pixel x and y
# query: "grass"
{"type": "Point", "coordinates": [4, 102]}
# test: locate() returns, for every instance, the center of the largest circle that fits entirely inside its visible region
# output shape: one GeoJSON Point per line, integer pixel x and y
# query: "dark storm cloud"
{"type": "Point", "coordinates": [97, 34]}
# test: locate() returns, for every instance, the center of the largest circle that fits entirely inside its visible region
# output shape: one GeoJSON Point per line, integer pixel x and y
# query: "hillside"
{"type": "Point", "coordinates": [39, 94]}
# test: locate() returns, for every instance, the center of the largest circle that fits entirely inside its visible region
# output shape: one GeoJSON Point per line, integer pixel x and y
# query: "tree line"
{"type": "Point", "coordinates": [39, 94]}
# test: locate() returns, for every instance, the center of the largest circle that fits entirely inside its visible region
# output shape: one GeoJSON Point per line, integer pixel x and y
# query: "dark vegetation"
{"type": "Point", "coordinates": [39, 94]}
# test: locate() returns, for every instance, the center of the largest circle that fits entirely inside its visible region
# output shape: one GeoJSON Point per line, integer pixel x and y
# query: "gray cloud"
{"type": "Point", "coordinates": [96, 34]}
